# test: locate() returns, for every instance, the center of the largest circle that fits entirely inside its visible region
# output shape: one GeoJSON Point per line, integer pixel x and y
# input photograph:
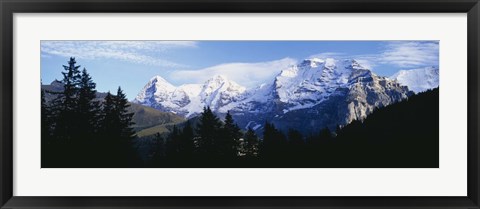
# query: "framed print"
{"type": "Point", "coordinates": [162, 104]}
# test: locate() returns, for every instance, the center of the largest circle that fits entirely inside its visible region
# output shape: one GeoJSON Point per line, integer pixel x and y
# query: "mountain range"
{"type": "Point", "coordinates": [307, 96]}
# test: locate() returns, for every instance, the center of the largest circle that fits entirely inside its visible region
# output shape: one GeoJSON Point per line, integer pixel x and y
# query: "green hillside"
{"type": "Point", "coordinates": [149, 121]}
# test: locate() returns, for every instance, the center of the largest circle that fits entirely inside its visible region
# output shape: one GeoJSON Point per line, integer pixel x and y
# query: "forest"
{"type": "Point", "coordinates": [79, 130]}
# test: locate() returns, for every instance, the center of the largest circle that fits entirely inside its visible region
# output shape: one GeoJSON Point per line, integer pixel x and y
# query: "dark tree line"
{"type": "Point", "coordinates": [404, 134]}
{"type": "Point", "coordinates": [80, 131]}
{"type": "Point", "coordinates": [211, 143]}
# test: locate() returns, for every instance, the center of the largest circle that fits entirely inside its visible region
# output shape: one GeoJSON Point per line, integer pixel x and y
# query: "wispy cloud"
{"type": "Point", "coordinates": [324, 55]}
{"type": "Point", "coordinates": [367, 61]}
{"type": "Point", "coordinates": [246, 74]}
{"type": "Point", "coordinates": [130, 51]}
{"type": "Point", "coordinates": [402, 54]}
{"type": "Point", "coordinates": [410, 54]}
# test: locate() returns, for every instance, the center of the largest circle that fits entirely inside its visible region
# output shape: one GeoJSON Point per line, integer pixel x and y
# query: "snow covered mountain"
{"type": "Point", "coordinates": [312, 81]}
{"type": "Point", "coordinates": [313, 94]}
{"type": "Point", "coordinates": [319, 93]}
{"type": "Point", "coordinates": [418, 80]}
{"type": "Point", "coordinates": [189, 99]}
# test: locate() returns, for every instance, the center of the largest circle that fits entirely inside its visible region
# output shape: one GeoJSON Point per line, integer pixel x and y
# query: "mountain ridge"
{"type": "Point", "coordinates": [314, 93]}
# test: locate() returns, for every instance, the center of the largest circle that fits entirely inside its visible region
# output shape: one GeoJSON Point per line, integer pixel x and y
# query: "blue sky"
{"type": "Point", "coordinates": [130, 64]}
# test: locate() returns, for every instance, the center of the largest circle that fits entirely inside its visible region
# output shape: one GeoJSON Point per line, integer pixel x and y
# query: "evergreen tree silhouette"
{"type": "Point", "coordinates": [295, 138]}
{"type": "Point", "coordinates": [87, 118]}
{"type": "Point", "coordinates": [228, 142]}
{"type": "Point", "coordinates": [88, 107]}
{"type": "Point", "coordinates": [208, 130]}
{"type": "Point", "coordinates": [78, 132]}
{"type": "Point", "coordinates": [158, 155]}
{"type": "Point", "coordinates": [66, 127]}
{"type": "Point", "coordinates": [107, 125]}
{"type": "Point", "coordinates": [64, 111]}
{"type": "Point", "coordinates": [296, 148]}
{"type": "Point", "coordinates": [273, 145]}
{"type": "Point", "coordinates": [250, 144]}
{"type": "Point", "coordinates": [186, 142]}
{"type": "Point", "coordinates": [47, 149]}
{"type": "Point", "coordinates": [173, 144]}
{"type": "Point", "coordinates": [127, 153]}
{"type": "Point", "coordinates": [45, 121]}
{"type": "Point", "coordinates": [125, 118]}
{"type": "Point", "coordinates": [116, 131]}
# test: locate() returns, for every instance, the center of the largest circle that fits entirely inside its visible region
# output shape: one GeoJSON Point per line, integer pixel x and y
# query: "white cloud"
{"type": "Point", "coordinates": [130, 51]}
{"type": "Point", "coordinates": [246, 74]}
{"type": "Point", "coordinates": [410, 54]}
{"type": "Point", "coordinates": [324, 55]}
{"type": "Point", "coordinates": [403, 54]}
{"type": "Point", "coordinates": [367, 61]}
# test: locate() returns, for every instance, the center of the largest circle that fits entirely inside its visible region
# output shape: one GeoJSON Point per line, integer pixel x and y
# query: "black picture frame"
{"type": "Point", "coordinates": [9, 7]}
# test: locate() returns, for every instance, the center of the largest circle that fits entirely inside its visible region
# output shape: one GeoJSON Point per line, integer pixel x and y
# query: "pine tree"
{"type": "Point", "coordinates": [228, 143]}
{"type": "Point", "coordinates": [115, 119]}
{"type": "Point", "coordinates": [87, 107]}
{"type": "Point", "coordinates": [208, 131]}
{"type": "Point", "coordinates": [295, 138]}
{"type": "Point", "coordinates": [127, 154]}
{"type": "Point", "coordinates": [274, 141]}
{"type": "Point", "coordinates": [107, 118]}
{"type": "Point", "coordinates": [173, 144]}
{"type": "Point", "coordinates": [158, 151]}
{"type": "Point", "coordinates": [45, 121]}
{"type": "Point", "coordinates": [186, 143]}
{"type": "Point", "coordinates": [125, 118]}
{"type": "Point", "coordinates": [46, 127]}
{"type": "Point", "coordinates": [296, 148]}
{"type": "Point", "coordinates": [71, 80]}
{"type": "Point", "coordinates": [116, 130]}
{"type": "Point", "coordinates": [250, 143]}
{"type": "Point", "coordinates": [66, 127]}
{"type": "Point", "coordinates": [267, 144]}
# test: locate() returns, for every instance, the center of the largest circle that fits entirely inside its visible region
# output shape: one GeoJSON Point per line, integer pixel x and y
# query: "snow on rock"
{"type": "Point", "coordinates": [312, 81]}
{"type": "Point", "coordinates": [418, 80]}
{"type": "Point", "coordinates": [189, 99]}
{"type": "Point", "coordinates": [314, 93]}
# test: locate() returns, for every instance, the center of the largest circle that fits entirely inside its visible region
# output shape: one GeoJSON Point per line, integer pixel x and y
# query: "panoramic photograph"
{"type": "Point", "coordinates": [239, 104]}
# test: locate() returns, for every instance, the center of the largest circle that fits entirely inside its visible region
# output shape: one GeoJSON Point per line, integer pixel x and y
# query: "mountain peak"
{"type": "Point", "coordinates": [353, 65]}
{"type": "Point", "coordinates": [219, 78]}
{"type": "Point", "coordinates": [330, 63]}
{"type": "Point", "coordinates": [160, 83]}
{"type": "Point", "coordinates": [157, 79]}
{"type": "Point", "coordinates": [312, 62]}
{"type": "Point", "coordinates": [216, 81]}
{"type": "Point", "coordinates": [56, 83]}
